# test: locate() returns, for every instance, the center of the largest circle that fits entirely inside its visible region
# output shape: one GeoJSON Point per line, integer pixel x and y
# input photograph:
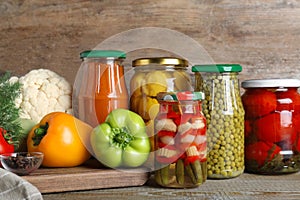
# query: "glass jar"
{"type": "Point", "coordinates": [155, 75]}
{"type": "Point", "coordinates": [180, 140]}
{"type": "Point", "coordinates": [272, 125]}
{"type": "Point", "coordinates": [152, 76]}
{"type": "Point", "coordinates": [99, 86]}
{"type": "Point", "coordinates": [224, 112]}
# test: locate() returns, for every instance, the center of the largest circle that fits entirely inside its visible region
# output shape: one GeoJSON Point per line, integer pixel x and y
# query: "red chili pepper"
{"type": "Point", "coordinates": [199, 131]}
{"type": "Point", "coordinates": [202, 147]}
{"type": "Point", "coordinates": [165, 133]}
{"type": "Point", "coordinates": [170, 115]}
{"type": "Point", "coordinates": [183, 156]}
{"type": "Point", "coordinates": [191, 159]}
{"type": "Point", "coordinates": [173, 115]}
{"type": "Point", "coordinates": [184, 118]}
{"type": "Point", "coordinates": [161, 144]}
{"type": "Point", "coordinates": [5, 147]}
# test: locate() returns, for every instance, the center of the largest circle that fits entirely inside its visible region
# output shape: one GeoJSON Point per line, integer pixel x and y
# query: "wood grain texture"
{"type": "Point", "coordinates": [246, 186]}
{"type": "Point", "coordinates": [87, 177]}
{"type": "Point", "coordinates": [260, 35]}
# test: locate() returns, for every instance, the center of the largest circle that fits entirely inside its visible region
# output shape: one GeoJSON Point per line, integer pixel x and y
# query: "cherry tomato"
{"type": "Point", "coordinates": [258, 102]}
{"type": "Point", "coordinates": [276, 127]}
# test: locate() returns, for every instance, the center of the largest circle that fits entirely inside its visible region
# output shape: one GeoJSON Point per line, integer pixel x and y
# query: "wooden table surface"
{"type": "Point", "coordinates": [247, 186]}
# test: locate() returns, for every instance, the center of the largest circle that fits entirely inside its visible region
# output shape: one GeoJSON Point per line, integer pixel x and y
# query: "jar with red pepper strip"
{"type": "Point", "coordinates": [180, 140]}
{"type": "Point", "coordinates": [272, 125]}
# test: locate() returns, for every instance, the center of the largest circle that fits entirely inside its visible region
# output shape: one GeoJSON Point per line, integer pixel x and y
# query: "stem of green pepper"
{"type": "Point", "coordinates": [121, 137]}
{"type": "Point", "coordinates": [39, 133]}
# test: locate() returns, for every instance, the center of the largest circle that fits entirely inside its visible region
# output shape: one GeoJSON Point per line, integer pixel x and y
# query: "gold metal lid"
{"type": "Point", "coordinates": [177, 62]}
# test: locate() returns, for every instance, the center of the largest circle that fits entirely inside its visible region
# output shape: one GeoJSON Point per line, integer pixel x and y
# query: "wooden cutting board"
{"type": "Point", "coordinates": [86, 177]}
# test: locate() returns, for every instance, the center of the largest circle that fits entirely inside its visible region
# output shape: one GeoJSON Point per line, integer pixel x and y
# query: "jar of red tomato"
{"type": "Point", "coordinates": [180, 140]}
{"type": "Point", "coordinates": [272, 125]}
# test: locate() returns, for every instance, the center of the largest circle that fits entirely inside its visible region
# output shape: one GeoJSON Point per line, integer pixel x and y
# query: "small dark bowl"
{"type": "Point", "coordinates": [21, 163]}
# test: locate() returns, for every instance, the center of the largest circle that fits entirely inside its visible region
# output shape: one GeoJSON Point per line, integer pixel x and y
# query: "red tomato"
{"type": "Point", "coordinates": [261, 152]}
{"type": "Point", "coordinates": [296, 123]}
{"type": "Point", "coordinates": [275, 128]}
{"type": "Point", "coordinates": [258, 102]}
{"type": "Point", "coordinates": [298, 145]}
{"type": "Point", "coordinates": [288, 100]}
{"type": "Point", "coordinates": [247, 127]}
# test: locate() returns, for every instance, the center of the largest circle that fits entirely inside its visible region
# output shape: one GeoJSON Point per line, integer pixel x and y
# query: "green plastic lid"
{"type": "Point", "coordinates": [102, 54]}
{"type": "Point", "coordinates": [221, 68]}
{"type": "Point", "coordinates": [180, 96]}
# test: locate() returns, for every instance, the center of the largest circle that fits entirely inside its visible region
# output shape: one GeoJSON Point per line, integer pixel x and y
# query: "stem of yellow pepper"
{"type": "Point", "coordinates": [39, 133]}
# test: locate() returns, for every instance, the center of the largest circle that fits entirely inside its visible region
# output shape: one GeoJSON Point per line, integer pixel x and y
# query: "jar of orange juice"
{"type": "Point", "coordinates": [99, 85]}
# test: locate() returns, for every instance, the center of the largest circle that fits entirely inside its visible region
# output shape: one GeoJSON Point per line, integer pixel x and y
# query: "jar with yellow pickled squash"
{"type": "Point", "coordinates": [152, 76]}
{"type": "Point", "coordinates": [155, 75]}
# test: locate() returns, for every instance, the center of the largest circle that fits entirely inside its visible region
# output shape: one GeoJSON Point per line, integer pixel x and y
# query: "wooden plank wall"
{"type": "Point", "coordinates": [262, 35]}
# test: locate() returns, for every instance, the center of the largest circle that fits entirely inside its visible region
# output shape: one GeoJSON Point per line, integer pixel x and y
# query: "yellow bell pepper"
{"type": "Point", "coordinates": [62, 139]}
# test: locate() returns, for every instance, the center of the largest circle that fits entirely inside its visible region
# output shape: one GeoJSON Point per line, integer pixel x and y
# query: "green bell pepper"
{"type": "Point", "coordinates": [121, 141]}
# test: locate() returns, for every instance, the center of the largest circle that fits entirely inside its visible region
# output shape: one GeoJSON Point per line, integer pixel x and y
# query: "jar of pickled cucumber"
{"type": "Point", "coordinates": [224, 112]}
{"type": "Point", "coordinates": [180, 140]}
{"type": "Point", "coordinates": [272, 126]}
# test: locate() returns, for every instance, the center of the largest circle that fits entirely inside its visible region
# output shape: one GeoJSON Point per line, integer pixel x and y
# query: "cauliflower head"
{"type": "Point", "coordinates": [43, 91]}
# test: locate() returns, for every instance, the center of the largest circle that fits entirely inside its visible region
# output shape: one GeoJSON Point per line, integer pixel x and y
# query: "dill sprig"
{"type": "Point", "coordinates": [9, 113]}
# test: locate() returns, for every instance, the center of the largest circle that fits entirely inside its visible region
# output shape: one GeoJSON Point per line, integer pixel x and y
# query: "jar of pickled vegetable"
{"type": "Point", "coordinates": [224, 112]}
{"type": "Point", "coordinates": [272, 125]}
{"type": "Point", "coordinates": [155, 75]}
{"type": "Point", "coordinates": [99, 86]}
{"type": "Point", "coordinates": [180, 140]}
{"type": "Point", "coordinates": [152, 76]}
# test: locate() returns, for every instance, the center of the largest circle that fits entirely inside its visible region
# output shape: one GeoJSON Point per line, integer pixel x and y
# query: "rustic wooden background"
{"type": "Point", "coordinates": [262, 35]}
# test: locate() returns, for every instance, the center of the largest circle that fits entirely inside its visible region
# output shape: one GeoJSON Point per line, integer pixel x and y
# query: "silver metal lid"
{"type": "Point", "coordinates": [270, 83]}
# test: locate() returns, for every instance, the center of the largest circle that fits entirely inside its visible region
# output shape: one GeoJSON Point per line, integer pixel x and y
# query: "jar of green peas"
{"type": "Point", "coordinates": [224, 112]}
